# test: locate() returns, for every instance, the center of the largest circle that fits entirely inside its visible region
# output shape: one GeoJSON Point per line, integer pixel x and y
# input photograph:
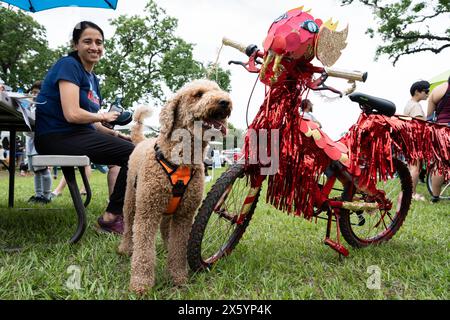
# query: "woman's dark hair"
{"type": "Point", "coordinates": [36, 85]}
{"type": "Point", "coordinates": [81, 26]}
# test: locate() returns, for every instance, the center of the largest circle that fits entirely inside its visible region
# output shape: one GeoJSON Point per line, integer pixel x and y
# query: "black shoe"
{"type": "Point", "coordinates": [124, 117]}
{"type": "Point", "coordinates": [32, 199]}
{"type": "Point", "coordinates": [42, 199]}
{"type": "Point", "coordinates": [435, 199]}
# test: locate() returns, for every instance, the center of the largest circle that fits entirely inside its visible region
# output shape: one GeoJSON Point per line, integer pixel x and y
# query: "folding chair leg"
{"type": "Point", "coordinates": [69, 175]}
{"type": "Point", "coordinates": [87, 187]}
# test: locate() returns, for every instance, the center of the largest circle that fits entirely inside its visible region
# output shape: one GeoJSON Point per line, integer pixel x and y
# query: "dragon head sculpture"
{"type": "Point", "coordinates": [295, 38]}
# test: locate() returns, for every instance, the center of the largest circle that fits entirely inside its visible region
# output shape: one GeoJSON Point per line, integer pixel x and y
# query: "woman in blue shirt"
{"type": "Point", "coordinates": [68, 122]}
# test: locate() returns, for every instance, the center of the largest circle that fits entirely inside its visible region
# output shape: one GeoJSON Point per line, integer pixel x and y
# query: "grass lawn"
{"type": "Point", "coordinates": [279, 257]}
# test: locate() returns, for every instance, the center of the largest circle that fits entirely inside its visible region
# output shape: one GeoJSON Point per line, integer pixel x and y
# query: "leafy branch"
{"type": "Point", "coordinates": [404, 26]}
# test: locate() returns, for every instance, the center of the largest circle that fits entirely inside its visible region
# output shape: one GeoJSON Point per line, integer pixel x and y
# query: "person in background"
{"type": "Point", "coordinates": [307, 108]}
{"type": "Point", "coordinates": [20, 149]}
{"type": "Point", "coordinates": [5, 145]}
{"type": "Point", "coordinates": [62, 184]}
{"type": "Point", "coordinates": [113, 172]}
{"type": "Point", "coordinates": [439, 103]}
{"type": "Point", "coordinates": [42, 177]}
{"type": "Point", "coordinates": [419, 91]}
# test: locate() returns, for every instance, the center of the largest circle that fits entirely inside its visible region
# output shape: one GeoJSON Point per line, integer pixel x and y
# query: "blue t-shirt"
{"type": "Point", "coordinates": [49, 114]}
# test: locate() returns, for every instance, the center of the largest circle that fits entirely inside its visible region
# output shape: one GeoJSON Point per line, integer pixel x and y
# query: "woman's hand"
{"type": "Point", "coordinates": [109, 116]}
{"type": "Point", "coordinates": [73, 113]}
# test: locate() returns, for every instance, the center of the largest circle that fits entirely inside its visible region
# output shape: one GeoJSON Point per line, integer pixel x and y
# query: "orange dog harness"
{"type": "Point", "coordinates": [179, 177]}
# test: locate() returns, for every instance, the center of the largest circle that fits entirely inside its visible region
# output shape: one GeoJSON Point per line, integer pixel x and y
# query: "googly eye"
{"type": "Point", "coordinates": [310, 25]}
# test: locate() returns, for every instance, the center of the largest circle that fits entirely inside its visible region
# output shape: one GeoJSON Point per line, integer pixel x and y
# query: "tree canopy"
{"type": "Point", "coordinates": [24, 53]}
{"type": "Point", "coordinates": [408, 27]}
{"type": "Point", "coordinates": [145, 56]}
{"type": "Point", "coordinates": [143, 60]}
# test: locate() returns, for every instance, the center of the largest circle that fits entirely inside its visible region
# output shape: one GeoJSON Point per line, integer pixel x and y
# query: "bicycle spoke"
{"type": "Point", "coordinates": [375, 222]}
{"type": "Point", "coordinates": [225, 214]}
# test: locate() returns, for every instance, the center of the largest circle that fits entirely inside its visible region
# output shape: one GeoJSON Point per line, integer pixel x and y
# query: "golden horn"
{"type": "Point", "coordinates": [277, 68]}
{"type": "Point", "coordinates": [267, 60]}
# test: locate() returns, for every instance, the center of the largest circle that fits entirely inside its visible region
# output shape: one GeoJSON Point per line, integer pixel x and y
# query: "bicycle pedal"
{"type": "Point", "coordinates": [337, 247]}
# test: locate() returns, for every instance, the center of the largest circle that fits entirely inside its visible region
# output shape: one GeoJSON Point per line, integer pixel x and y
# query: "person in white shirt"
{"type": "Point", "coordinates": [307, 108]}
{"type": "Point", "coordinates": [419, 91]}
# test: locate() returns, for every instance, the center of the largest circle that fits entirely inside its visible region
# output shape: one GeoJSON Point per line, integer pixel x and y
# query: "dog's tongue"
{"type": "Point", "coordinates": [218, 125]}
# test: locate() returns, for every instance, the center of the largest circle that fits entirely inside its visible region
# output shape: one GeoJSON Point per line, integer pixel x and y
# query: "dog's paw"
{"type": "Point", "coordinates": [125, 250]}
{"type": "Point", "coordinates": [140, 287]}
{"type": "Point", "coordinates": [179, 280]}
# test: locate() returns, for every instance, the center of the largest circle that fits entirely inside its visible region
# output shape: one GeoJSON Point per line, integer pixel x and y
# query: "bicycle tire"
{"type": "Point", "coordinates": [445, 188]}
{"type": "Point", "coordinates": [203, 218]}
{"type": "Point", "coordinates": [428, 179]}
{"type": "Point", "coordinates": [349, 228]}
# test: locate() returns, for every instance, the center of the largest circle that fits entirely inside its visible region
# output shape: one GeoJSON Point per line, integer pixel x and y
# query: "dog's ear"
{"type": "Point", "coordinates": [167, 116]}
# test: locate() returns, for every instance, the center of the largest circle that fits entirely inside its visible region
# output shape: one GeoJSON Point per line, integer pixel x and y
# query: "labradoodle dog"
{"type": "Point", "coordinates": [199, 106]}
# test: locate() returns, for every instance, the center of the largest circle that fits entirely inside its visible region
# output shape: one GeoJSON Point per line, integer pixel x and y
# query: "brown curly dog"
{"type": "Point", "coordinates": [197, 107]}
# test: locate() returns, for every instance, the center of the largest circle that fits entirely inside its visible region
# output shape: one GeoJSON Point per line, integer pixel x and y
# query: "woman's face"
{"type": "Point", "coordinates": [35, 92]}
{"type": "Point", "coordinates": [90, 46]}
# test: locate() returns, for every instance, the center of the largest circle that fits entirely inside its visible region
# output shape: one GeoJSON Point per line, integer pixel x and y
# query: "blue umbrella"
{"type": "Point", "coordinates": [40, 5]}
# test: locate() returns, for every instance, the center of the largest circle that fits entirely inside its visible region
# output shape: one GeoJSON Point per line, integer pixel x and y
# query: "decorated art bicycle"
{"type": "Point", "coordinates": [359, 184]}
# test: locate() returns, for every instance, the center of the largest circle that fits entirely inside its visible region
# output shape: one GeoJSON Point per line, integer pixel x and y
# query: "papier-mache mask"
{"type": "Point", "coordinates": [295, 38]}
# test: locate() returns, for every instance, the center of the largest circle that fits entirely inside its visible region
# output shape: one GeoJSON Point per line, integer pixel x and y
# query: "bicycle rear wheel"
{"type": "Point", "coordinates": [363, 228]}
{"type": "Point", "coordinates": [222, 219]}
{"type": "Point", "coordinates": [445, 188]}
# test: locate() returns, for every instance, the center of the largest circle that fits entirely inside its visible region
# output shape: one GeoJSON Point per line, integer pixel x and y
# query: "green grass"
{"type": "Point", "coordinates": [279, 257]}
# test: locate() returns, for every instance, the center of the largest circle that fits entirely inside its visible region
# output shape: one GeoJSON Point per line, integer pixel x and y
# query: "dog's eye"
{"type": "Point", "coordinates": [199, 94]}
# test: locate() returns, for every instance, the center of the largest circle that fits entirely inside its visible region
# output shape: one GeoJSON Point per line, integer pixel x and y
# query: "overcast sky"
{"type": "Point", "coordinates": [205, 22]}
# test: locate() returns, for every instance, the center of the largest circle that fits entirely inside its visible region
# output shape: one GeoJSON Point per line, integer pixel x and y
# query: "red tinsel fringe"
{"type": "Point", "coordinates": [375, 140]}
{"type": "Point", "coordinates": [301, 161]}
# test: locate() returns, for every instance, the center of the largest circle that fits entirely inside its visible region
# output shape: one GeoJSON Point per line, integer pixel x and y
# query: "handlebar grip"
{"type": "Point", "coordinates": [347, 74]}
{"type": "Point", "coordinates": [234, 44]}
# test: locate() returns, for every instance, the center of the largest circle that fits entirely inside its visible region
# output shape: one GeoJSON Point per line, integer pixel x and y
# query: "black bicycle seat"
{"type": "Point", "coordinates": [373, 104]}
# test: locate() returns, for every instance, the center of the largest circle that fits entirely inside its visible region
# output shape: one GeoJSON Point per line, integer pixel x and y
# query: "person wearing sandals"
{"type": "Point", "coordinates": [68, 121]}
{"type": "Point", "coordinates": [62, 184]}
{"type": "Point", "coordinates": [439, 104]}
{"type": "Point", "coordinates": [419, 91]}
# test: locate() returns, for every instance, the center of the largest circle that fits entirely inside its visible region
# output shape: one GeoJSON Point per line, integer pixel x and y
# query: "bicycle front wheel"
{"type": "Point", "coordinates": [363, 228]}
{"type": "Point", "coordinates": [222, 219]}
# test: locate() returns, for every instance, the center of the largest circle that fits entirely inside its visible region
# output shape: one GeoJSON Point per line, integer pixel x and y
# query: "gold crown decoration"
{"type": "Point", "coordinates": [330, 24]}
{"type": "Point", "coordinates": [298, 8]}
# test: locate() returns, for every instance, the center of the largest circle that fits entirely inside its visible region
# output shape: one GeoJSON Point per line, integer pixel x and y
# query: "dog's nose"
{"type": "Point", "coordinates": [224, 104]}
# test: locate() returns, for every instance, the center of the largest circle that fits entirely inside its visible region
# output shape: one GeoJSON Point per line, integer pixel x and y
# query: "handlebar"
{"type": "Point", "coordinates": [253, 52]}
{"type": "Point", "coordinates": [248, 50]}
{"type": "Point", "coordinates": [234, 44]}
{"type": "Point", "coordinates": [346, 74]}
